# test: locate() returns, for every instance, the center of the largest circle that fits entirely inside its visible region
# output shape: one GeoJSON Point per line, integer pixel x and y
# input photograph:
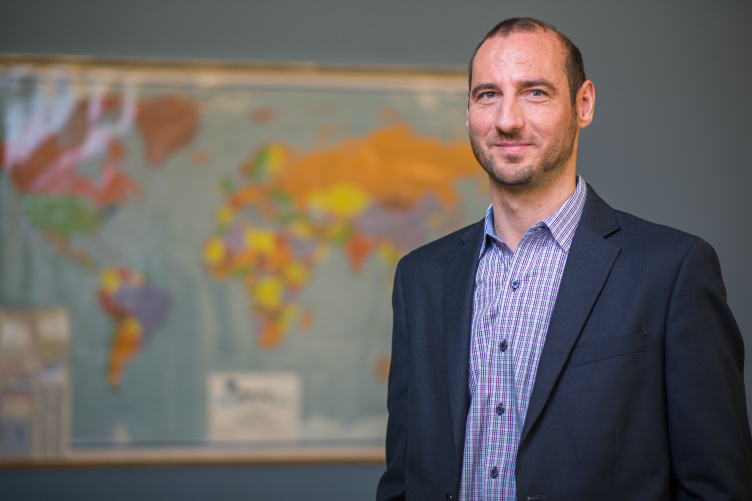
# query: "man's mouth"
{"type": "Point", "coordinates": [512, 148]}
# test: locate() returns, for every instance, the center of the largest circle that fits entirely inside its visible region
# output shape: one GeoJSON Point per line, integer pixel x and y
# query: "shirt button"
{"type": "Point", "coordinates": [500, 409]}
{"type": "Point", "coordinates": [494, 472]}
{"type": "Point", "coordinates": [515, 284]}
{"type": "Point", "coordinates": [503, 345]}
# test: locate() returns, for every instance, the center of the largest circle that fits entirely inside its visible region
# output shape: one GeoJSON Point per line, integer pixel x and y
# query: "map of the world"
{"type": "Point", "coordinates": [223, 244]}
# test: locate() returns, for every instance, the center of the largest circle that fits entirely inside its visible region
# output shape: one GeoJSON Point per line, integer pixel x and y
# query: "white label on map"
{"type": "Point", "coordinates": [53, 325]}
{"type": "Point", "coordinates": [15, 335]}
{"type": "Point", "coordinates": [254, 406]}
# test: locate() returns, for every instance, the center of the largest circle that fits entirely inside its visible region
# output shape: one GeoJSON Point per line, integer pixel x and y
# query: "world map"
{"type": "Point", "coordinates": [192, 229]}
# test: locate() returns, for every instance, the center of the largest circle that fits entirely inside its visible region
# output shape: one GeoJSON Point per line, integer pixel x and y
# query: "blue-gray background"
{"type": "Point", "coordinates": [669, 142]}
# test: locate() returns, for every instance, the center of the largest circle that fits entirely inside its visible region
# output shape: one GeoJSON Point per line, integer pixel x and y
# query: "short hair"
{"type": "Point", "coordinates": [573, 64]}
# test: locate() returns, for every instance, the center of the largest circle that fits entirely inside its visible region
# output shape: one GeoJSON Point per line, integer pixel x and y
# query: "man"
{"type": "Point", "coordinates": [559, 349]}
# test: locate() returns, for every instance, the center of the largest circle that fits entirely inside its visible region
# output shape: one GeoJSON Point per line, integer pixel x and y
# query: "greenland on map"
{"type": "Point", "coordinates": [222, 244]}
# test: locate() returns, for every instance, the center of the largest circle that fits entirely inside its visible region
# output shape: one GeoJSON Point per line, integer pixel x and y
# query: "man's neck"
{"type": "Point", "coordinates": [517, 210]}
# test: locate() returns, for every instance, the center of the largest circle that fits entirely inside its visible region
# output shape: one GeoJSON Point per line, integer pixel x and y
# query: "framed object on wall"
{"type": "Point", "coordinates": [217, 244]}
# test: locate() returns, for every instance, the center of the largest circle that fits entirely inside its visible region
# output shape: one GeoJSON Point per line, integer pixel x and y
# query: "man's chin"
{"type": "Point", "coordinates": [519, 177]}
{"type": "Point", "coordinates": [508, 170]}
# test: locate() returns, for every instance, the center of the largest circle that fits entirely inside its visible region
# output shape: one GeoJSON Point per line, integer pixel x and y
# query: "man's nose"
{"type": "Point", "coordinates": [510, 116]}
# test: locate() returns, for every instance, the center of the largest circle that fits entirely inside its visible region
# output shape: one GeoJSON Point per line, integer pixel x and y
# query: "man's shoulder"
{"type": "Point", "coordinates": [633, 231]}
{"type": "Point", "coordinates": [645, 245]}
{"type": "Point", "coordinates": [641, 232]}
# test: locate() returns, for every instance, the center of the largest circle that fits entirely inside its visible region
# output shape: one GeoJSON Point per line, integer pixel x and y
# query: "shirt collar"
{"type": "Point", "coordinates": [561, 224]}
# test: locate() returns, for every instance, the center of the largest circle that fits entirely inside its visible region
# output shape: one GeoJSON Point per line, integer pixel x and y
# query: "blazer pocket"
{"type": "Point", "coordinates": [608, 348]}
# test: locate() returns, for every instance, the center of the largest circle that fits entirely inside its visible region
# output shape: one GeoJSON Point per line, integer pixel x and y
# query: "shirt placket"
{"type": "Point", "coordinates": [501, 396]}
{"type": "Point", "coordinates": [530, 335]}
{"type": "Point", "coordinates": [486, 286]}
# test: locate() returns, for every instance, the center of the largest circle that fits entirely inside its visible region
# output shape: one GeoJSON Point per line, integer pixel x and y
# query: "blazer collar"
{"type": "Point", "coordinates": [589, 263]}
{"type": "Point", "coordinates": [457, 315]}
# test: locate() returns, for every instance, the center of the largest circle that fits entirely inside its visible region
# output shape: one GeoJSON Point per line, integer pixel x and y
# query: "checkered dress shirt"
{"type": "Point", "coordinates": [514, 296]}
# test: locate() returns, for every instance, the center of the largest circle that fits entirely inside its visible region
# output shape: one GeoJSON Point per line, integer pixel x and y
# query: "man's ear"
{"type": "Point", "coordinates": [467, 112]}
{"type": "Point", "coordinates": [585, 104]}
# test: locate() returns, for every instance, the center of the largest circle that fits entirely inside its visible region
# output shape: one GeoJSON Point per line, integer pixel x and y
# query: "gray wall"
{"type": "Point", "coordinates": [670, 141]}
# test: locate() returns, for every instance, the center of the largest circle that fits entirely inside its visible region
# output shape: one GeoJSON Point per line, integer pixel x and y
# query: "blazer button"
{"type": "Point", "coordinates": [449, 497]}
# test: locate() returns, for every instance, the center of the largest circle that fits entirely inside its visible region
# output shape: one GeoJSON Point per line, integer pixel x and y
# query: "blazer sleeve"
{"type": "Point", "coordinates": [709, 434]}
{"type": "Point", "coordinates": [392, 484]}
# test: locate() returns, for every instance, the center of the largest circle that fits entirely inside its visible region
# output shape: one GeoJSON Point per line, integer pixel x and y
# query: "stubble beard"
{"type": "Point", "coordinates": [553, 160]}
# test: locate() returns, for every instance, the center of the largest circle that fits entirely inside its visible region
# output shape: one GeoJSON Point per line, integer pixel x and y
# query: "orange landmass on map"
{"type": "Point", "coordinates": [381, 368]}
{"type": "Point", "coordinates": [358, 249]}
{"type": "Point", "coordinates": [262, 115]}
{"type": "Point", "coordinates": [393, 165]}
{"type": "Point", "coordinates": [271, 334]}
{"type": "Point", "coordinates": [126, 345]}
{"type": "Point", "coordinates": [201, 158]}
{"type": "Point", "coordinates": [166, 125]}
{"type": "Point", "coordinates": [306, 321]}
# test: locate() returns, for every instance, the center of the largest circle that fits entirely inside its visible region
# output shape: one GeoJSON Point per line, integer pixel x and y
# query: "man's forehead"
{"type": "Point", "coordinates": [522, 48]}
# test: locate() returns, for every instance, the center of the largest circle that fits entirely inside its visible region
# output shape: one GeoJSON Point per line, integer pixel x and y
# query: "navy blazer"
{"type": "Point", "coordinates": [639, 394]}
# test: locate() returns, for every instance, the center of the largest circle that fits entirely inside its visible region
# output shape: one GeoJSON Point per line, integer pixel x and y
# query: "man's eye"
{"type": "Point", "coordinates": [536, 93]}
{"type": "Point", "coordinates": [488, 95]}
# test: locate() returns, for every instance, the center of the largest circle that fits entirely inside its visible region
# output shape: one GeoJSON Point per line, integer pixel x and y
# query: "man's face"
{"type": "Point", "coordinates": [522, 124]}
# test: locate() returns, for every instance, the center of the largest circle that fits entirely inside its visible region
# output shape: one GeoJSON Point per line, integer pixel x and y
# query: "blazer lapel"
{"type": "Point", "coordinates": [458, 307]}
{"type": "Point", "coordinates": [589, 263]}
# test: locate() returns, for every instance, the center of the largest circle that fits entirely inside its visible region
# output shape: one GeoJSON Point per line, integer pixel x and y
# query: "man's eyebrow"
{"type": "Point", "coordinates": [482, 87]}
{"type": "Point", "coordinates": [537, 83]}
